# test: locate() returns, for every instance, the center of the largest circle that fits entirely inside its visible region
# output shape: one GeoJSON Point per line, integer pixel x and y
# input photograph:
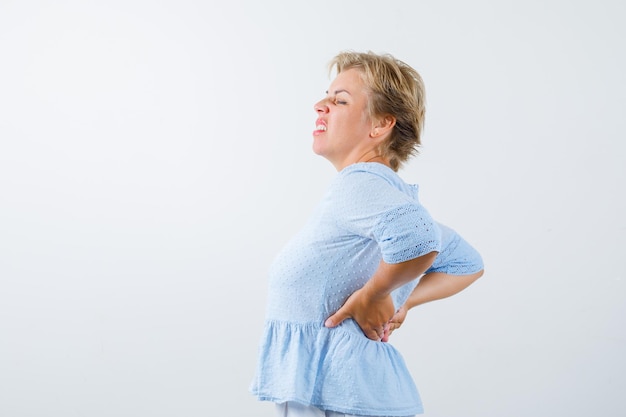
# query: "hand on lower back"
{"type": "Point", "coordinates": [371, 313]}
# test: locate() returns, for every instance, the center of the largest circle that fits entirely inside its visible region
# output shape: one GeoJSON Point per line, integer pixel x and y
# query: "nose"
{"type": "Point", "coordinates": [321, 107]}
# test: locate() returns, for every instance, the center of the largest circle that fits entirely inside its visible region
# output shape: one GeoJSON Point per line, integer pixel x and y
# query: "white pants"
{"type": "Point", "coordinates": [294, 409]}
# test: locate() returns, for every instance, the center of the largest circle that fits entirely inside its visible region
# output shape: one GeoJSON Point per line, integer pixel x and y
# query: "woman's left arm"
{"type": "Point", "coordinates": [432, 286]}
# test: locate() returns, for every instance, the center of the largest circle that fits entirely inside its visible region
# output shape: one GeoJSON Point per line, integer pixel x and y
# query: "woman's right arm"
{"type": "Point", "coordinates": [371, 306]}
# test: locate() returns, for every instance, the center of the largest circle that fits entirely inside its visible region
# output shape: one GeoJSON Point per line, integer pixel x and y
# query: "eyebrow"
{"type": "Point", "coordinates": [340, 91]}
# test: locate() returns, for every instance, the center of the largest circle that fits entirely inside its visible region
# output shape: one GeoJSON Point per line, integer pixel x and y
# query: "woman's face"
{"type": "Point", "coordinates": [343, 125]}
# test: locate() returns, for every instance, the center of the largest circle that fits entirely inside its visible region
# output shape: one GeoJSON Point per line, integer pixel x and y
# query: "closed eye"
{"type": "Point", "coordinates": [336, 100]}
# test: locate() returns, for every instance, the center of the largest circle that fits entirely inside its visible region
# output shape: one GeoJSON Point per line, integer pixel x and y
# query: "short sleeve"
{"type": "Point", "coordinates": [407, 232]}
{"type": "Point", "coordinates": [457, 257]}
{"type": "Point", "coordinates": [369, 206]}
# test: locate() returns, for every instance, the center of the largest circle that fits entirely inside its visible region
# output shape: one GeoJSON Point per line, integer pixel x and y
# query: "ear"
{"type": "Point", "coordinates": [382, 127]}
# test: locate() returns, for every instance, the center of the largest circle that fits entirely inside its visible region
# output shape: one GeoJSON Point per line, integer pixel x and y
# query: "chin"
{"type": "Point", "coordinates": [317, 148]}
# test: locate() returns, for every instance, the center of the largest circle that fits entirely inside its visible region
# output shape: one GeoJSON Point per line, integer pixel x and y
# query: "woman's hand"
{"type": "Point", "coordinates": [396, 321]}
{"type": "Point", "coordinates": [371, 312]}
{"type": "Point", "coordinates": [371, 306]}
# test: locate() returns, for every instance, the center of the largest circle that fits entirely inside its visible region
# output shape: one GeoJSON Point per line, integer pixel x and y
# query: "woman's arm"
{"type": "Point", "coordinates": [371, 306]}
{"type": "Point", "coordinates": [431, 287]}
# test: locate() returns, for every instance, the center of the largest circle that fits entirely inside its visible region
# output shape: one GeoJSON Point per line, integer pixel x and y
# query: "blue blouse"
{"type": "Point", "coordinates": [368, 214]}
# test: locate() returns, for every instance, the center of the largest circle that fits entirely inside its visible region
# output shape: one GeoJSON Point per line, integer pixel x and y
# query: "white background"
{"type": "Point", "coordinates": [155, 155]}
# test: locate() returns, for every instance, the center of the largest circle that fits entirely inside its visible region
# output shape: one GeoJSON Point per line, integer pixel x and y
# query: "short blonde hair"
{"type": "Point", "coordinates": [394, 89]}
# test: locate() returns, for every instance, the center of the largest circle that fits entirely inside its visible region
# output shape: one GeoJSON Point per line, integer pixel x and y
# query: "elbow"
{"type": "Point", "coordinates": [479, 274]}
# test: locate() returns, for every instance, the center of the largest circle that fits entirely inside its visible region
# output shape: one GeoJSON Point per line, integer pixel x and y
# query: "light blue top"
{"type": "Point", "coordinates": [369, 213]}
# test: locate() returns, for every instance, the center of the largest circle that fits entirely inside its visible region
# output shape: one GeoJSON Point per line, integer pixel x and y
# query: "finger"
{"type": "Point", "coordinates": [337, 318]}
{"type": "Point", "coordinates": [373, 335]}
{"type": "Point", "coordinates": [386, 333]}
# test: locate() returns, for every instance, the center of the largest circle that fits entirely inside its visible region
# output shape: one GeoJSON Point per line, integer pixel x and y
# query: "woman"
{"type": "Point", "coordinates": [346, 281]}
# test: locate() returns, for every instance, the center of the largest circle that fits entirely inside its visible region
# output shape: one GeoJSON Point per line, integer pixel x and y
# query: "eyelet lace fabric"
{"type": "Point", "coordinates": [368, 214]}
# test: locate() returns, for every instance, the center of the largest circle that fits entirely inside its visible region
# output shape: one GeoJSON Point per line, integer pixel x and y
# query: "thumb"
{"type": "Point", "coordinates": [337, 318]}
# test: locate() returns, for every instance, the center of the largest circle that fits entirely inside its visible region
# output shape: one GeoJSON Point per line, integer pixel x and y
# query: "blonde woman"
{"type": "Point", "coordinates": [369, 253]}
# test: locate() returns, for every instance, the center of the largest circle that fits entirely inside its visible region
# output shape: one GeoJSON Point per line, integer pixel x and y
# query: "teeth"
{"type": "Point", "coordinates": [320, 127]}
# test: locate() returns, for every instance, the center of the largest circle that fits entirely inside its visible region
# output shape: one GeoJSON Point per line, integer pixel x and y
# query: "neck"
{"type": "Point", "coordinates": [370, 156]}
{"type": "Point", "coordinates": [374, 159]}
{"type": "Point", "coordinates": [373, 156]}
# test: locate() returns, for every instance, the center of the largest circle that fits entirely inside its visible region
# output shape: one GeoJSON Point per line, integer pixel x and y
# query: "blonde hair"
{"type": "Point", "coordinates": [395, 89]}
